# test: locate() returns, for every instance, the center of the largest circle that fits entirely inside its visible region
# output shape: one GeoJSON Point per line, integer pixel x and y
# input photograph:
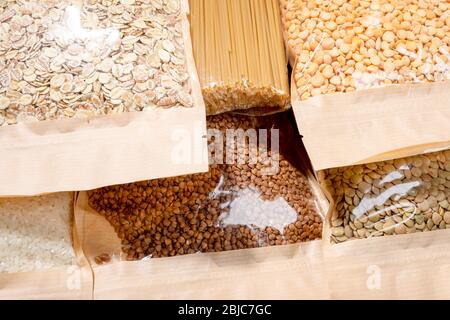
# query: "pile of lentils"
{"type": "Point", "coordinates": [398, 196]}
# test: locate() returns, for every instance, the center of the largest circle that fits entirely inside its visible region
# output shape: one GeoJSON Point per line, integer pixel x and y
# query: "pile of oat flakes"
{"type": "Point", "coordinates": [64, 58]}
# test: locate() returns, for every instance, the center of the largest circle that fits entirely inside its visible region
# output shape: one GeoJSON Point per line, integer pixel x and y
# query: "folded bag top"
{"type": "Point", "coordinates": [96, 94]}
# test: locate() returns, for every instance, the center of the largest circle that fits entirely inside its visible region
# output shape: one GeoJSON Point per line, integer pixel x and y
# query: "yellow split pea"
{"type": "Point", "coordinates": [387, 42]}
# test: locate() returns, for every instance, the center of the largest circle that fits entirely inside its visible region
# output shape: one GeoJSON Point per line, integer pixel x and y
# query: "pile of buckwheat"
{"type": "Point", "coordinates": [233, 206]}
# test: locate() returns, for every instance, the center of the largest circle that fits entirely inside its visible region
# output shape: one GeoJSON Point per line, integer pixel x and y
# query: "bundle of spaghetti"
{"type": "Point", "coordinates": [239, 53]}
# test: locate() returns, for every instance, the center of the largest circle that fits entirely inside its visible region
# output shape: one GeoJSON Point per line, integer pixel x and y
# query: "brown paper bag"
{"type": "Point", "coordinates": [284, 272]}
{"type": "Point", "coordinates": [407, 266]}
{"type": "Point", "coordinates": [366, 125]}
{"type": "Point", "coordinates": [294, 271]}
{"type": "Point", "coordinates": [395, 267]}
{"type": "Point", "coordinates": [71, 282]}
{"type": "Point", "coordinates": [86, 153]}
{"type": "Point", "coordinates": [412, 266]}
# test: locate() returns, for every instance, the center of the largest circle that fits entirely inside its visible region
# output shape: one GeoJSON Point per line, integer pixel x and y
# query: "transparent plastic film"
{"type": "Point", "coordinates": [63, 59]}
{"type": "Point", "coordinates": [239, 53]}
{"type": "Point", "coordinates": [35, 233]}
{"type": "Point", "coordinates": [252, 196]}
{"type": "Point", "coordinates": [344, 46]}
{"type": "Point", "coordinates": [400, 196]}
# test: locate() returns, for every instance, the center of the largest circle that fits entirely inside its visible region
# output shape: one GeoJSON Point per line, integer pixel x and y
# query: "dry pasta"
{"type": "Point", "coordinates": [240, 57]}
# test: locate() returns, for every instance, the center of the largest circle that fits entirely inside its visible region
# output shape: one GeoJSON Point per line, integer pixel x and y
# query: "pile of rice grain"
{"type": "Point", "coordinates": [35, 232]}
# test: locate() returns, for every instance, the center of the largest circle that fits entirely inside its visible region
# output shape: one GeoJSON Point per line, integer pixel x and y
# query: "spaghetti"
{"type": "Point", "coordinates": [240, 57]}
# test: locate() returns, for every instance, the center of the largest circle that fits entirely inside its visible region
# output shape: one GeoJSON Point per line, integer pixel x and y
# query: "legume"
{"type": "Point", "coordinates": [392, 197]}
{"type": "Point", "coordinates": [366, 44]}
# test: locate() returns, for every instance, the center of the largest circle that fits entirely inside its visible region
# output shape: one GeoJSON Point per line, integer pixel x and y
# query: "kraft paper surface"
{"type": "Point", "coordinates": [374, 125]}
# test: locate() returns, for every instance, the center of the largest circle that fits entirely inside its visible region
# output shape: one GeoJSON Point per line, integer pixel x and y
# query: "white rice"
{"type": "Point", "coordinates": [35, 232]}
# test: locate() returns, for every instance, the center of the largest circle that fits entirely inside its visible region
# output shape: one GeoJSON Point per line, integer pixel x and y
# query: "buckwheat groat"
{"type": "Point", "coordinates": [59, 60]}
{"type": "Point", "coordinates": [233, 206]}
